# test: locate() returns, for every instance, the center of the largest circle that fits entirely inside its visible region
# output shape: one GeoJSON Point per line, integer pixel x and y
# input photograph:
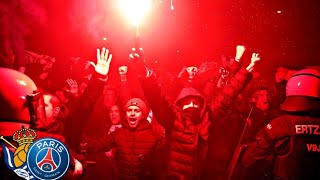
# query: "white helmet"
{"type": "Point", "coordinates": [303, 92]}
{"type": "Point", "coordinates": [14, 111]}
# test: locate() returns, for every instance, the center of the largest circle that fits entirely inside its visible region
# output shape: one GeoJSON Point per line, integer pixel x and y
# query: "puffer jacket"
{"type": "Point", "coordinates": [188, 142]}
{"type": "Point", "coordinates": [134, 150]}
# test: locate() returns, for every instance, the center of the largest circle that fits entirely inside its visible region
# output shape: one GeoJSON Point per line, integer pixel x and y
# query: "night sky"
{"type": "Point", "coordinates": [284, 32]}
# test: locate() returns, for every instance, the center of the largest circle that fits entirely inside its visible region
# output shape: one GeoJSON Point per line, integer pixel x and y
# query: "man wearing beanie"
{"type": "Point", "coordinates": [134, 144]}
{"type": "Point", "coordinates": [136, 111]}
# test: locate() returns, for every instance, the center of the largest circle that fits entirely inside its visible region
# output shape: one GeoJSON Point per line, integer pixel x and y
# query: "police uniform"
{"type": "Point", "coordinates": [291, 143]}
{"type": "Point", "coordinates": [15, 109]}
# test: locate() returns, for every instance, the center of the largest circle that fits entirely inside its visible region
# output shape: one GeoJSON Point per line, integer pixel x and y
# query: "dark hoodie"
{"type": "Point", "coordinates": [186, 139]}
{"type": "Point", "coordinates": [194, 114]}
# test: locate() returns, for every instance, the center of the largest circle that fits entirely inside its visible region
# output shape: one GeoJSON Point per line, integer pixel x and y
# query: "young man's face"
{"type": "Point", "coordinates": [280, 74]}
{"type": "Point", "coordinates": [50, 112]}
{"type": "Point", "coordinates": [262, 101]}
{"type": "Point", "coordinates": [115, 115]}
{"type": "Point", "coordinates": [134, 116]}
{"type": "Point", "coordinates": [110, 97]}
{"type": "Point", "coordinates": [48, 106]}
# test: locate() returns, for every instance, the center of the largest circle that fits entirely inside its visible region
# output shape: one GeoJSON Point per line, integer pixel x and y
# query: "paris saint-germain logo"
{"type": "Point", "coordinates": [48, 158]}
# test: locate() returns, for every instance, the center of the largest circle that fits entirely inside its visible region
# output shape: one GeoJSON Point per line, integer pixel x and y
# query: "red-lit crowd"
{"type": "Point", "coordinates": [220, 120]}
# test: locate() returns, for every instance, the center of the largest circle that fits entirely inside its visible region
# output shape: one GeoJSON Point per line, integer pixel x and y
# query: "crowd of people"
{"type": "Point", "coordinates": [216, 121]}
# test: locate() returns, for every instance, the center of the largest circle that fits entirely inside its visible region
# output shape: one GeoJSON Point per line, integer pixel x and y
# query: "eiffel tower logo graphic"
{"type": "Point", "coordinates": [46, 161]}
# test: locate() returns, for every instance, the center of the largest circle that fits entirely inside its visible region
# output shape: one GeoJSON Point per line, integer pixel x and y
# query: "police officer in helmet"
{"type": "Point", "coordinates": [20, 106]}
{"type": "Point", "coordinates": [291, 142]}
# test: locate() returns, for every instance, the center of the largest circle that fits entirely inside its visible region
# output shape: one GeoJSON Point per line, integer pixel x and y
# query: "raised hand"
{"type": "Point", "coordinates": [205, 66]}
{"type": "Point", "coordinates": [136, 58]}
{"type": "Point", "coordinates": [192, 72]}
{"type": "Point", "coordinates": [74, 89]}
{"type": "Point", "coordinates": [136, 55]}
{"type": "Point", "coordinates": [254, 59]}
{"type": "Point", "coordinates": [78, 168]}
{"type": "Point", "coordinates": [103, 61]}
{"type": "Point", "coordinates": [239, 52]}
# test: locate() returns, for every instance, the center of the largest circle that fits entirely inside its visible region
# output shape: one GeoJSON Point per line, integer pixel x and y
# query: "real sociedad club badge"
{"type": "Point", "coordinates": [47, 158]}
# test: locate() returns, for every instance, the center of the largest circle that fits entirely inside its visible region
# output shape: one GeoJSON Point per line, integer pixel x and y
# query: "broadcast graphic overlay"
{"type": "Point", "coordinates": [46, 158]}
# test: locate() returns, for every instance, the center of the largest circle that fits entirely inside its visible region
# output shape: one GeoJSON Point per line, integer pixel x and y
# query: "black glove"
{"type": "Point", "coordinates": [137, 61]}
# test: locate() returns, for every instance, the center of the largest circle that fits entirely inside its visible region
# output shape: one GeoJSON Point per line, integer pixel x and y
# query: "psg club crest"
{"type": "Point", "coordinates": [46, 158]}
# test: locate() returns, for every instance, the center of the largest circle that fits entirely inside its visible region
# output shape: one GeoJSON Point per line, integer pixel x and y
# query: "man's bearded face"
{"type": "Point", "coordinates": [134, 116]}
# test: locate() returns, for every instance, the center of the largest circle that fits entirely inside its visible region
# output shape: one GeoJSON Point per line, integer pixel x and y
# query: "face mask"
{"type": "Point", "coordinates": [193, 114]}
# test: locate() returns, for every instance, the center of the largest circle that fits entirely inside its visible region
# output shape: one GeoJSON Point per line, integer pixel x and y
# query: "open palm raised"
{"type": "Point", "coordinates": [103, 61]}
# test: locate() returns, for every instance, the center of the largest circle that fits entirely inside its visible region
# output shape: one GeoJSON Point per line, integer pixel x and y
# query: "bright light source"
{"type": "Point", "coordinates": [134, 10]}
{"type": "Point", "coordinates": [279, 12]}
{"type": "Point", "coordinates": [104, 39]}
{"type": "Point", "coordinates": [171, 4]}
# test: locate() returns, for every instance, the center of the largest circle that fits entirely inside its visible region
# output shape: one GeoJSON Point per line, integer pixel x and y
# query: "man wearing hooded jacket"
{"type": "Point", "coordinates": [187, 121]}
